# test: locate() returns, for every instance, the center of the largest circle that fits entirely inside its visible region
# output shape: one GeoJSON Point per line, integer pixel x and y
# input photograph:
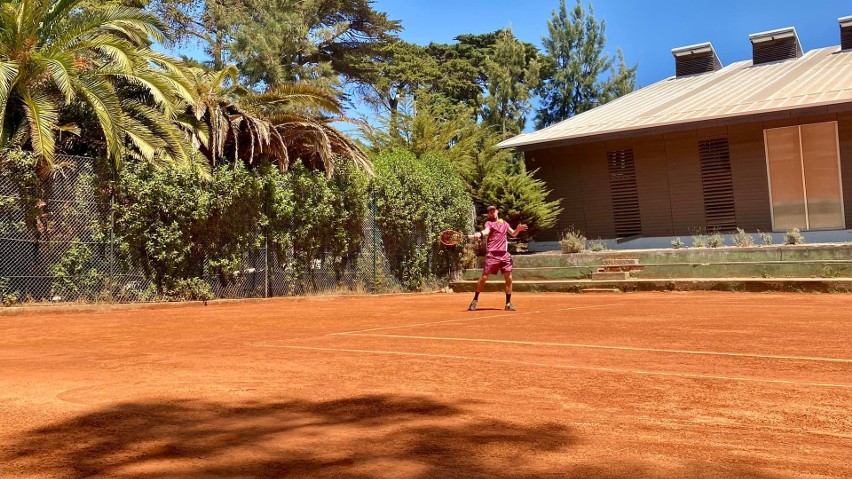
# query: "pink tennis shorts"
{"type": "Point", "coordinates": [495, 262]}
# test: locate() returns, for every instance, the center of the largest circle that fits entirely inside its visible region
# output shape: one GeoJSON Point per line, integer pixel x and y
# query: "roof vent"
{"type": "Point", "coordinates": [775, 45]}
{"type": "Point", "coordinates": [695, 59]}
{"type": "Point", "coordinates": [845, 32]}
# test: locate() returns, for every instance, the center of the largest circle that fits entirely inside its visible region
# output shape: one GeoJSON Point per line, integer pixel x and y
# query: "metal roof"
{"type": "Point", "coordinates": [821, 77]}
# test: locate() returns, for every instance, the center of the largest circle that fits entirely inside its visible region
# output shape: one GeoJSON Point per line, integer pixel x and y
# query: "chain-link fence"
{"type": "Point", "coordinates": [64, 249]}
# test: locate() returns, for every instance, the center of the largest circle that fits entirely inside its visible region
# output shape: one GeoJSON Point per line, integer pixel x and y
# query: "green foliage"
{"type": "Point", "coordinates": [171, 222]}
{"type": "Point", "coordinates": [491, 175]}
{"type": "Point", "coordinates": [578, 74]}
{"type": "Point", "coordinates": [275, 41]}
{"type": "Point", "coordinates": [20, 168]}
{"type": "Point", "coordinates": [81, 54]}
{"type": "Point", "coordinates": [699, 241]}
{"type": "Point", "coordinates": [76, 277]}
{"type": "Point", "coordinates": [179, 225]}
{"type": "Point", "coordinates": [743, 239]}
{"type": "Point", "coordinates": [417, 198]}
{"type": "Point", "coordinates": [794, 236]}
{"type": "Point", "coordinates": [573, 241]}
{"type": "Point", "coordinates": [512, 77]}
{"type": "Point", "coordinates": [677, 243]}
{"type": "Point", "coordinates": [191, 289]}
{"type": "Point", "coordinates": [598, 245]}
{"type": "Point", "coordinates": [520, 198]}
{"type": "Point", "coordinates": [326, 220]}
{"type": "Point", "coordinates": [716, 240]}
{"type": "Point", "coordinates": [765, 238]}
{"type": "Point", "coordinates": [7, 297]}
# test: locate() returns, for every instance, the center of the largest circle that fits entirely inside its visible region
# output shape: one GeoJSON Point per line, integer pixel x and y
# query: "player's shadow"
{"type": "Point", "coordinates": [487, 309]}
{"type": "Point", "coordinates": [361, 437]}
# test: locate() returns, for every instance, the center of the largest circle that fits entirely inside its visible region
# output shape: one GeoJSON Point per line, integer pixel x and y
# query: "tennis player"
{"type": "Point", "coordinates": [497, 258]}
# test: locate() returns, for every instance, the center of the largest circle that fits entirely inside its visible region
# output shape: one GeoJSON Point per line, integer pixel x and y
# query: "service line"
{"type": "Point", "coordinates": [558, 366]}
{"type": "Point", "coordinates": [618, 348]}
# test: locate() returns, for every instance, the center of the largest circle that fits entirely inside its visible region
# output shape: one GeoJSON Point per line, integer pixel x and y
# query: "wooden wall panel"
{"type": "Point", "coordinates": [684, 177]}
{"type": "Point", "coordinates": [653, 185]}
{"type": "Point", "coordinates": [597, 200]}
{"type": "Point", "coordinates": [751, 183]}
{"type": "Point", "coordinates": [559, 169]}
{"type": "Point", "coordinates": [844, 129]}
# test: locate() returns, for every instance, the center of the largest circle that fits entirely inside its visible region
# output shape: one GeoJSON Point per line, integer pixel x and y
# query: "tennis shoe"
{"type": "Point", "coordinates": [472, 306]}
{"type": "Point", "coordinates": [509, 307]}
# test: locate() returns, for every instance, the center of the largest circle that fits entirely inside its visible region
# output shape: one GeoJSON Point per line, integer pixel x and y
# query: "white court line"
{"type": "Point", "coordinates": [559, 366]}
{"type": "Point", "coordinates": [471, 318]}
{"type": "Point", "coordinates": [619, 348]}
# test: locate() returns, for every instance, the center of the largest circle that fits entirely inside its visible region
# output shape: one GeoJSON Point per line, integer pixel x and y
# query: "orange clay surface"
{"type": "Point", "coordinates": [630, 385]}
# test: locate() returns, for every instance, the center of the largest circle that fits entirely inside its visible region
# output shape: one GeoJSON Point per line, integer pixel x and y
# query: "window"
{"type": "Point", "coordinates": [718, 187]}
{"type": "Point", "coordinates": [804, 177]}
{"type": "Point", "coordinates": [625, 197]}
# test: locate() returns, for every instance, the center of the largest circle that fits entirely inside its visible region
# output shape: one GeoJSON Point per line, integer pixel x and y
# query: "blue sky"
{"type": "Point", "coordinates": [645, 30]}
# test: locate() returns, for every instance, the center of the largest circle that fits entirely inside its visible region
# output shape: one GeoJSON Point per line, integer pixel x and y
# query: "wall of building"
{"type": "Point", "coordinates": [668, 178]}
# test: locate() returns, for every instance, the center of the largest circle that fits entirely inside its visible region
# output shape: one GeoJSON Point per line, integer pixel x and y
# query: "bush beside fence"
{"type": "Point", "coordinates": [155, 234]}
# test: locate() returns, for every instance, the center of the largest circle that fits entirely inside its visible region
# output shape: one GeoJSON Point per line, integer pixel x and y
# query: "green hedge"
{"type": "Point", "coordinates": [416, 199]}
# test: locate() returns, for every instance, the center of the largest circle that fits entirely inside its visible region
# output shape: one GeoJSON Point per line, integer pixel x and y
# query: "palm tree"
{"type": "Point", "coordinates": [303, 114]}
{"type": "Point", "coordinates": [222, 129]}
{"type": "Point", "coordinates": [291, 121]}
{"type": "Point", "coordinates": [55, 53]}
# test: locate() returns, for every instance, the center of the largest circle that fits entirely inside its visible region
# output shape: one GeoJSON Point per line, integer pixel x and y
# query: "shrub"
{"type": "Point", "coordinates": [7, 297]}
{"type": "Point", "coordinates": [699, 241]}
{"type": "Point", "coordinates": [192, 289]}
{"type": "Point", "coordinates": [794, 236]}
{"type": "Point", "coordinates": [76, 275]}
{"type": "Point", "coordinates": [572, 242]}
{"type": "Point", "coordinates": [677, 243]}
{"type": "Point", "coordinates": [765, 238]}
{"type": "Point", "coordinates": [416, 199]}
{"type": "Point", "coordinates": [716, 240]}
{"type": "Point", "coordinates": [743, 239]}
{"type": "Point", "coordinates": [598, 245]}
{"type": "Point", "coordinates": [171, 222]}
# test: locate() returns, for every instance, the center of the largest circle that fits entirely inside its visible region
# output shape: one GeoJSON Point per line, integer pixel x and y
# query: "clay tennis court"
{"type": "Point", "coordinates": [629, 385]}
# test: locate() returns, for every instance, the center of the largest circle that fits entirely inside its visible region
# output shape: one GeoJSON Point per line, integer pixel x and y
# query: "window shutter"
{"type": "Point", "coordinates": [718, 187]}
{"type": "Point", "coordinates": [625, 197]}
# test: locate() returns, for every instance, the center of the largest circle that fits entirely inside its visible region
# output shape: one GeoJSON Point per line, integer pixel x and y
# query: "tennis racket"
{"type": "Point", "coordinates": [452, 237]}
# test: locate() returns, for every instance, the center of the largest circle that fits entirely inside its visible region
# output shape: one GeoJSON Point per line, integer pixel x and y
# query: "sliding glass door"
{"type": "Point", "coordinates": [804, 177]}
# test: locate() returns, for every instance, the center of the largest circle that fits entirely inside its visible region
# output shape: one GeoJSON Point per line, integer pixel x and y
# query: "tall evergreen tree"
{"type": "Point", "coordinates": [511, 78]}
{"type": "Point", "coordinates": [579, 75]}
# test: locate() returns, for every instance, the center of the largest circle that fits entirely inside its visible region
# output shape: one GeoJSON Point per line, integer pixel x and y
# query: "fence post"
{"type": "Point", "coordinates": [266, 262]}
{"type": "Point", "coordinates": [112, 232]}
{"type": "Point", "coordinates": [373, 225]}
{"type": "Point", "coordinates": [266, 241]}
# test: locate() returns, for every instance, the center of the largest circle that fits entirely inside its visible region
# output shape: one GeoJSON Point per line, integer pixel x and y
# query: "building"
{"type": "Point", "coordinates": [763, 144]}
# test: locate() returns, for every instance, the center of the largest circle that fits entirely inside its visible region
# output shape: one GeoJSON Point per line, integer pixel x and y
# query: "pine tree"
{"type": "Point", "coordinates": [580, 76]}
{"type": "Point", "coordinates": [512, 77]}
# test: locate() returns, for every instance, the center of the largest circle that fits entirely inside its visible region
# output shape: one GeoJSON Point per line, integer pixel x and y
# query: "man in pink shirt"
{"type": "Point", "coordinates": [497, 258]}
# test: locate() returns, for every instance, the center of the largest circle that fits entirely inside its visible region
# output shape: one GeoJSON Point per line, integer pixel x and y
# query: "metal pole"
{"type": "Point", "coordinates": [112, 233]}
{"type": "Point", "coordinates": [373, 208]}
{"type": "Point", "coordinates": [266, 262]}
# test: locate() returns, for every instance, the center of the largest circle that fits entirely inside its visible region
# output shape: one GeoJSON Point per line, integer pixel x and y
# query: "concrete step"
{"type": "Point", "coordinates": [620, 267]}
{"type": "Point", "coordinates": [778, 269]}
{"type": "Point", "coordinates": [694, 255]}
{"type": "Point", "coordinates": [619, 261]}
{"type": "Point", "coordinates": [600, 290]}
{"type": "Point", "coordinates": [570, 272]}
{"type": "Point", "coordinates": [800, 285]}
{"type": "Point", "coordinates": [610, 275]}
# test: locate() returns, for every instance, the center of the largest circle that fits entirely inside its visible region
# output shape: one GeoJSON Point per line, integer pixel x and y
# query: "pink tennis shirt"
{"type": "Point", "coordinates": [497, 239]}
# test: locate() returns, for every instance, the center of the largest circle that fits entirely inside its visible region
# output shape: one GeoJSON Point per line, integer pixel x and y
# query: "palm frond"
{"type": "Point", "coordinates": [42, 116]}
